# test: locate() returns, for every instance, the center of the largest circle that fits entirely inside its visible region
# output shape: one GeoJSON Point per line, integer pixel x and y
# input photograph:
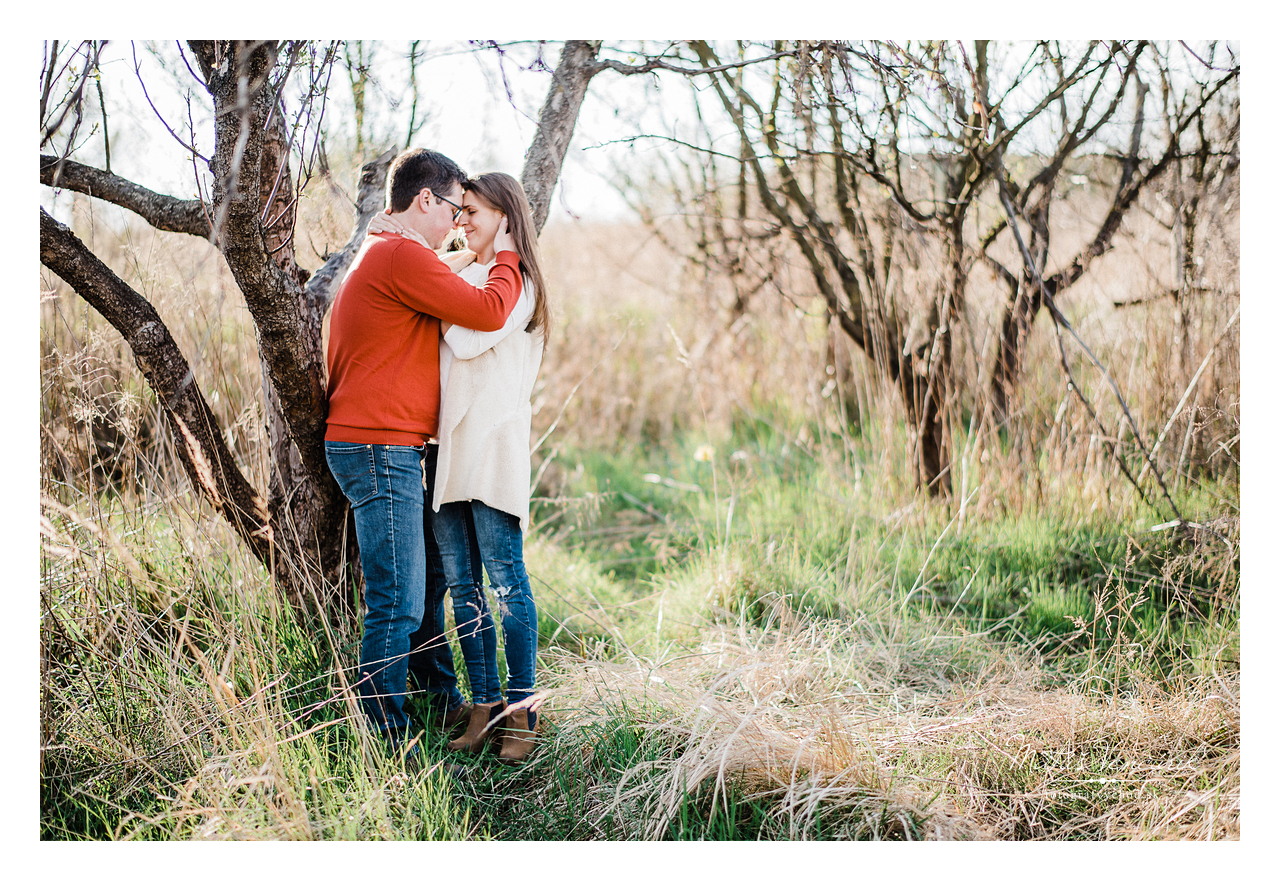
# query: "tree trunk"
{"type": "Point", "coordinates": [545, 157]}
{"type": "Point", "coordinates": [926, 424]}
{"type": "Point", "coordinates": [925, 380]}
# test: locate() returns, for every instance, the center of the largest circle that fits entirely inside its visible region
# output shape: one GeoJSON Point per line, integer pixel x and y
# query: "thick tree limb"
{"type": "Point", "coordinates": [163, 212]}
{"type": "Point", "coordinates": [196, 435]}
{"type": "Point", "coordinates": [545, 157]}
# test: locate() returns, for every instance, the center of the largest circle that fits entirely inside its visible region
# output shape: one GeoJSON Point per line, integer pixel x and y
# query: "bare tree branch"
{"type": "Point", "coordinates": [163, 212]}
{"type": "Point", "coordinates": [137, 70]}
{"type": "Point", "coordinates": [1126, 194]}
{"type": "Point", "coordinates": [196, 435]}
{"type": "Point", "coordinates": [658, 64]}
{"type": "Point", "coordinates": [1060, 322]}
{"type": "Point", "coordinates": [74, 102]}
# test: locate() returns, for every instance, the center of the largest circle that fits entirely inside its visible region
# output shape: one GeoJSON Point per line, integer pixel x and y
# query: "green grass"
{"type": "Point", "coordinates": [181, 700]}
{"type": "Point", "coordinates": [1062, 578]}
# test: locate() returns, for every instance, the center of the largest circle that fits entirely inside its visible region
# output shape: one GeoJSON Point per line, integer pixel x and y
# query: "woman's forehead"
{"type": "Point", "coordinates": [470, 198]}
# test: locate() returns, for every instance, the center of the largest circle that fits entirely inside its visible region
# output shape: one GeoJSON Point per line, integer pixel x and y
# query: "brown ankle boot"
{"type": "Point", "coordinates": [455, 720]}
{"type": "Point", "coordinates": [517, 738]}
{"type": "Point", "coordinates": [478, 728]}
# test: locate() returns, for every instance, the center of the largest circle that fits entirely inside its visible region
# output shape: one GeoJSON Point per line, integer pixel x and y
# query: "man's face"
{"type": "Point", "coordinates": [438, 214]}
{"type": "Point", "coordinates": [430, 216]}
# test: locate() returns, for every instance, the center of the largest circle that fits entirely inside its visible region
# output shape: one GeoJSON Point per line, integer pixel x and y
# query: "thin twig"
{"type": "Point", "coordinates": [137, 69]}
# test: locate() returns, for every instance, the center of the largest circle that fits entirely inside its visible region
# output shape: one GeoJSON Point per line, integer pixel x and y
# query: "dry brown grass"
{"type": "Point", "coordinates": [854, 727]}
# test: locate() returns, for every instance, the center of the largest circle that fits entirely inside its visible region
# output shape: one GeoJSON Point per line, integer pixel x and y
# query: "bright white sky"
{"type": "Point", "coordinates": [470, 116]}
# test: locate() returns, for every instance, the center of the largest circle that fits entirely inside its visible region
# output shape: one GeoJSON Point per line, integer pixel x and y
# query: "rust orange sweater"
{"type": "Point", "coordinates": [384, 337]}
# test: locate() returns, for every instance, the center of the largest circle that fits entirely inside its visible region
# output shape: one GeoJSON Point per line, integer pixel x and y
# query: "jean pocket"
{"type": "Point", "coordinates": [353, 467]}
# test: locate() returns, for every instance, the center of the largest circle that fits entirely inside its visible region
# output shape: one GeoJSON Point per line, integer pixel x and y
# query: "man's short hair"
{"type": "Point", "coordinates": [414, 170]}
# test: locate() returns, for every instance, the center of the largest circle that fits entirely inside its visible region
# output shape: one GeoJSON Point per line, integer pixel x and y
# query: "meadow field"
{"type": "Point", "coordinates": [753, 624]}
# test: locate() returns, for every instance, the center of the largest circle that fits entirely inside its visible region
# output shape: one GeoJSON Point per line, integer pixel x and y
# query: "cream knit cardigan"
{"type": "Point", "coordinates": [485, 423]}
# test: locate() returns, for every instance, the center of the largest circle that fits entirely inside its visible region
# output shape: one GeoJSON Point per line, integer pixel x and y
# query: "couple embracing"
{"type": "Point", "coordinates": [431, 365]}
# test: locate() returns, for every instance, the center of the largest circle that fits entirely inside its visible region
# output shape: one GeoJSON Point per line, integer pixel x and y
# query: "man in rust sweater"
{"type": "Point", "coordinates": [384, 404]}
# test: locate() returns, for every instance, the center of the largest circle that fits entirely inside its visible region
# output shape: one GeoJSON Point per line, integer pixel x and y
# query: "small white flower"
{"type": "Point", "coordinates": [704, 453]}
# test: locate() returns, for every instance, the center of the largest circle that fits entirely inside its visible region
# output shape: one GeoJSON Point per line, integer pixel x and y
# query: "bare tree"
{"type": "Point", "coordinates": [872, 157]}
{"type": "Point", "coordinates": [1032, 199]}
{"type": "Point", "coordinates": [297, 525]}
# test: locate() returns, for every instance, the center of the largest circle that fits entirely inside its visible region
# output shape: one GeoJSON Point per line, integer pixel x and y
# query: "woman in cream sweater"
{"type": "Point", "coordinates": [481, 493]}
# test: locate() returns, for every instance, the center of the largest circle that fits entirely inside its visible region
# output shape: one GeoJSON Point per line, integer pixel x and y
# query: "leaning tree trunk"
{"type": "Point", "coordinates": [196, 435]}
{"type": "Point", "coordinates": [545, 157]}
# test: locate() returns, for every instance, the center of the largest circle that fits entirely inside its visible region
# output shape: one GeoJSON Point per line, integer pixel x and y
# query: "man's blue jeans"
{"type": "Point", "coordinates": [389, 487]}
{"type": "Point", "coordinates": [471, 534]}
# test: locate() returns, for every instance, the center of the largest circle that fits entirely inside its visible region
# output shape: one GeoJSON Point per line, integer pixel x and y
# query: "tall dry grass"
{"type": "Point", "coordinates": [858, 730]}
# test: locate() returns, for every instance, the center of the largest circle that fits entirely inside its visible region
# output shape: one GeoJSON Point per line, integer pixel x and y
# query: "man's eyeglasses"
{"type": "Point", "coordinates": [458, 208]}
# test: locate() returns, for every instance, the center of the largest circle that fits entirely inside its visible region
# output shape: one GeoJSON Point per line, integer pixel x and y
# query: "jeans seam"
{"type": "Point", "coordinates": [491, 663]}
{"type": "Point", "coordinates": [395, 563]}
{"type": "Point", "coordinates": [476, 580]}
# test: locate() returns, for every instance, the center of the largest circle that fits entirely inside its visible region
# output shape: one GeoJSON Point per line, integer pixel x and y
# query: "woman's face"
{"type": "Point", "coordinates": [479, 221]}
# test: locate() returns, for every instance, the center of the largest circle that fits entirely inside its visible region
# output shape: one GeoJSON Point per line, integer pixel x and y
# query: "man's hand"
{"type": "Point", "coordinates": [384, 222]}
{"type": "Point", "coordinates": [502, 239]}
{"type": "Point", "coordinates": [456, 260]}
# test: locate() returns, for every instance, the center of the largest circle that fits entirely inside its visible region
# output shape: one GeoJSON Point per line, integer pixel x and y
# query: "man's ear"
{"type": "Point", "coordinates": [425, 195]}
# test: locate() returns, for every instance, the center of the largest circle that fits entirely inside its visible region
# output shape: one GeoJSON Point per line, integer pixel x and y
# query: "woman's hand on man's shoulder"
{"type": "Point", "coordinates": [384, 222]}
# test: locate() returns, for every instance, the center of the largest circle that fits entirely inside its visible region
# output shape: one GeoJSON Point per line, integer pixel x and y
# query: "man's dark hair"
{"type": "Point", "coordinates": [417, 169]}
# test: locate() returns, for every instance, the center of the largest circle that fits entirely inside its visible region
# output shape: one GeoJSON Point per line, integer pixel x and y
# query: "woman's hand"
{"type": "Point", "coordinates": [502, 239]}
{"type": "Point", "coordinates": [384, 222]}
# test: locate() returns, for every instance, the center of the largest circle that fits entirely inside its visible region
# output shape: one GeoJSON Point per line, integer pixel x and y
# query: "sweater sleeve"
{"type": "Point", "coordinates": [467, 343]}
{"type": "Point", "coordinates": [425, 284]}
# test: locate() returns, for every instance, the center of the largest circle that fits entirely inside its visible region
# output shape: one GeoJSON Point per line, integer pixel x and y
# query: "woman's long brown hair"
{"type": "Point", "coordinates": [504, 192]}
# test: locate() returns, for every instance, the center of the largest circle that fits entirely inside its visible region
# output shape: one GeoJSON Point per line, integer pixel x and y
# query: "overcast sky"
{"type": "Point", "coordinates": [481, 111]}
